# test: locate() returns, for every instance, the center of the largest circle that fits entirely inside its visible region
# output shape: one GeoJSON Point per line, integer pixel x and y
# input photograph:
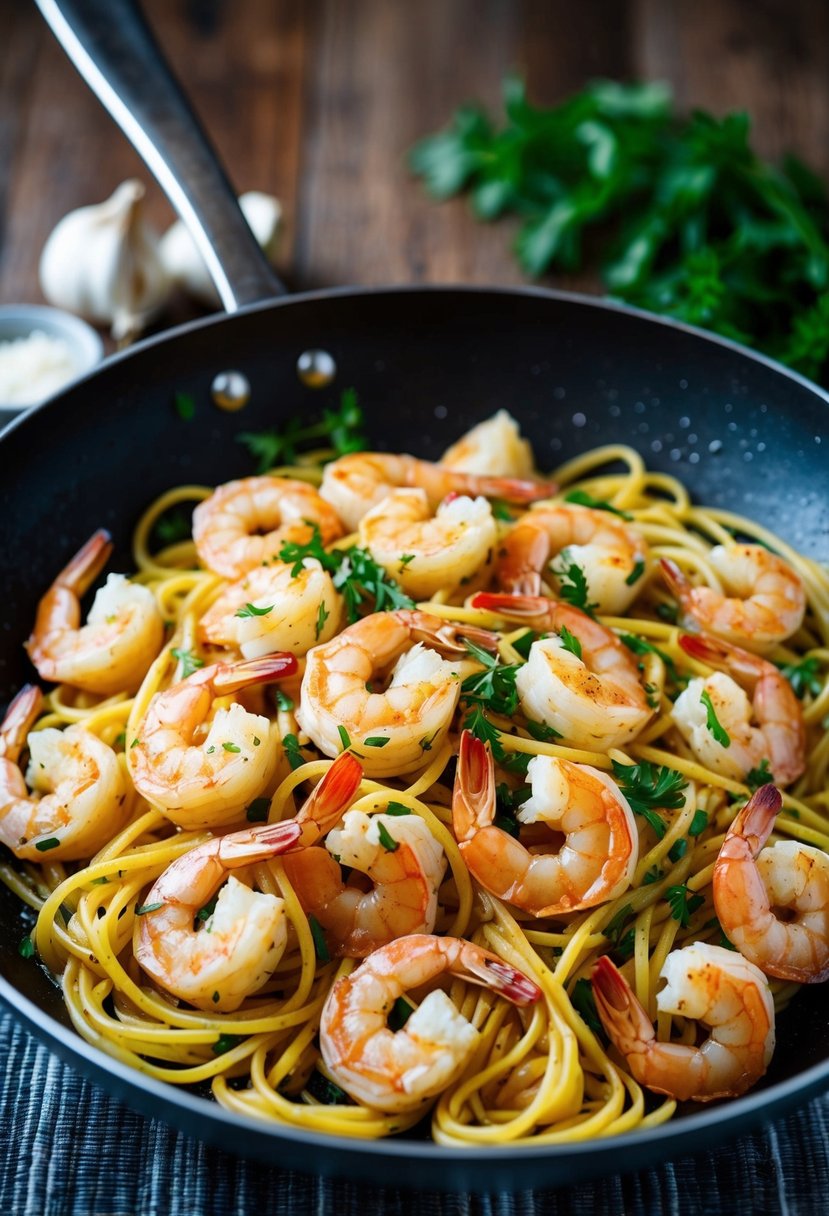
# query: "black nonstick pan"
{"type": "Point", "coordinates": [740, 431]}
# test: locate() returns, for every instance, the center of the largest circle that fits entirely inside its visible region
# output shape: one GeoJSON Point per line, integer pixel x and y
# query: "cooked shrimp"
{"type": "Point", "coordinates": [765, 599]}
{"type": "Point", "coordinates": [778, 734]}
{"type": "Point", "coordinates": [493, 448]}
{"type": "Point", "coordinates": [122, 635]}
{"type": "Point", "coordinates": [243, 939]}
{"type": "Point", "coordinates": [751, 888]}
{"type": "Point", "coordinates": [205, 777]}
{"type": "Point", "coordinates": [245, 523]}
{"type": "Point", "coordinates": [601, 845]}
{"type": "Point", "coordinates": [394, 727]}
{"type": "Point", "coordinates": [78, 791]}
{"type": "Point", "coordinates": [356, 483]}
{"type": "Point", "coordinates": [426, 551]}
{"type": "Point", "coordinates": [270, 609]}
{"type": "Point", "coordinates": [717, 987]}
{"type": "Point", "coordinates": [593, 699]}
{"type": "Point", "coordinates": [611, 554]}
{"type": "Point", "coordinates": [236, 950]}
{"type": "Point", "coordinates": [400, 857]}
{"type": "Point", "coordinates": [399, 1071]}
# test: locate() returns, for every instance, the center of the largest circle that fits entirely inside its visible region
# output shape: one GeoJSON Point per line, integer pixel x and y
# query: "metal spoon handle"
{"type": "Point", "coordinates": [113, 49]}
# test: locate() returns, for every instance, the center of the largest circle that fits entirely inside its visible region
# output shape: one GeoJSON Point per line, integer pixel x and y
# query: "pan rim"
{"type": "Point", "coordinates": [580, 299]}
{"type": "Point", "coordinates": [665, 1140]}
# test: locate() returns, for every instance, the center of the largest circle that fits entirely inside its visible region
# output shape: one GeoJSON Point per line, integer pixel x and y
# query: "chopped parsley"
{"type": "Point", "coordinates": [640, 646]}
{"type": "Point", "coordinates": [524, 643]}
{"type": "Point", "coordinates": [804, 677]}
{"type": "Point", "coordinates": [683, 903]}
{"type": "Point", "coordinates": [500, 510]}
{"type": "Point", "coordinates": [713, 723]}
{"type": "Point", "coordinates": [322, 617]}
{"type": "Point", "coordinates": [171, 527]}
{"type": "Point", "coordinates": [762, 775]}
{"type": "Point", "coordinates": [542, 732]}
{"type": "Point", "coordinates": [678, 849]}
{"type": "Point", "coordinates": [376, 741]}
{"type": "Point", "coordinates": [251, 610]}
{"type": "Point", "coordinates": [320, 944]}
{"type": "Point", "coordinates": [258, 810]}
{"type": "Point", "coordinates": [341, 427]}
{"type": "Point", "coordinates": [570, 642]}
{"type": "Point", "coordinates": [572, 585]}
{"type": "Point", "coordinates": [397, 808]}
{"type": "Point", "coordinates": [584, 1003]}
{"type": "Point", "coordinates": [636, 573]}
{"type": "Point", "coordinates": [145, 908]}
{"type": "Point", "coordinates": [386, 839]}
{"type": "Point", "coordinates": [185, 406]}
{"type": "Point", "coordinates": [654, 874]}
{"type": "Point", "coordinates": [598, 504]}
{"type": "Point", "coordinates": [698, 824]}
{"type": "Point", "coordinates": [400, 1013]}
{"type": "Point", "coordinates": [344, 737]}
{"type": "Point", "coordinates": [189, 661]}
{"type": "Point", "coordinates": [405, 558]}
{"type": "Point", "coordinates": [494, 687]}
{"type": "Point", "coordinates": [26, 949]}
{"type": "Point", "coordinates": [326, 1092]}
{"type": "Point", "coordinates": [231, 747]}
{"type": "Point", "coordinates": [649, 788]}
{"type": "Point", "coordinates": [227, 1041]}
{"type": "Point", "coordinates": [293, 752]}
{"type": "Point", "coordinates": [354, 572]}
{"type": "Point", "coordinates": [207, 911]}
{"type": "Point", "coordinates": [283, 701]}
{"type": "Point", "coordinates": [43, 846]}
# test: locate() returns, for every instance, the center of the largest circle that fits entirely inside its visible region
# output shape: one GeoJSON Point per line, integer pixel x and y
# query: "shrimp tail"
{"type": "Point", "coordinates": [19, 718]}
{"type": "Point", "coordinates": [756, 819]}
{"type": "Point", "coordinates": [264, 670]}
{"type": "Point", "coordinates": [678, 584]}
{"type": "Point", "coordinates": [473, 799]}
{"type": "Point", "coordinates": [330, 798]}
{"type": "Point", "coordinates": [80, 573]}
{"type": "Point", "coordinates": [518, 606]}
{"type": "Point", "coordinates": [717, 653]}
{"type": "Point", "coordinates": [515, 489]}
{"type": "Point", "coordinates": [447, 637]}
{"type": "Point", "coordinates": [622, 1016]}
{"type": "Point", "coordinates": [258, 844]}
{"type": "Point", "coordinates": [512, 984]}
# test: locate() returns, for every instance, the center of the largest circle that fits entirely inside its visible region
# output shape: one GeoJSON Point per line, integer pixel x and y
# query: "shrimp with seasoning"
{"type": "Point", "coordinates": [199, 775]}
{"type": "Point", "coordinates": [400, 654]}
{"type": "Point", "coordinates": [778, 734]}
{"type": "Point", "coordinates": [764, 604]}
{"type": "Point", "coordinates": [270, 609]}
{"type": "Point", "coordinates": [611, 554]}
{"type": "Point", "coordinates": [78, 792]}
{"type": "Point", "coordinates": [589, 690]}
{"type": "Point", "coordinates": [717, 987]}
{"type": "Point", "coordinates": [493, 448]}
{"type": "Point", "coordinates": [357, 482]}
{"type": "Point", "coordinates": [124, 630]}
{"type": "Point", "coordinates": [240, 943]}
{"type": "Point", "coordinates": [399, 1071]}
{"type": "Point", "coordinates": [245, 523]}
{"type": "Point", "coordinates": [401, 859]}
{"type": "Point", "coordinates": [595, 863]}
{"type": "Point", "coordinates": [773, 903]}
{"type": "Point", "coordinates": [425, 551]}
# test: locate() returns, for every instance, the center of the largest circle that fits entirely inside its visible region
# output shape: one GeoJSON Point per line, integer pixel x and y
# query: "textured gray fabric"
{"type": "Point", "coordinates": [68, 1149]}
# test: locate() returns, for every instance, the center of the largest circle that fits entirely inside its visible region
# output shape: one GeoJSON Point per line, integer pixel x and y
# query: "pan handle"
{"type": "Point", "coordinates": [113, 49]}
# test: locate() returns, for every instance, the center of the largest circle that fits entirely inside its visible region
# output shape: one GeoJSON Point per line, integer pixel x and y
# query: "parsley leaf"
{"type": "Point", "coordinates": [322, 617]}
{"type": "Point", "coordinates": [583, 1001]}
{"type": "Point", "coordinates": [640, 646]}
{"type": "Point", "coordinates": [804, 677]}
{"type": "Point", "coordinates": [572, 585]}
{"type": "Point", "coordinates": [342, 428]}
{"type": "Point", "coordinates": [326, 1092]}
{"type": "Point", "coordinates": [636, 573]}
{"type": "Point", "coordinates": [258, 810]}
{"type": "Point", "coordinates": [762, 775]}
{"type": "Point", "coordinates": [494, 687]}
{"type": "Point", "coordinates": [570, 642]}
{"type": "Point", "coordinates": [190, 662]}
{"type": "Point", "coordinates": [354, 572]}
{"type": "Point", "coordinates": [400, 1013]}
{"type": "Point", "coordinates": [683, 903]}
{"type": "Point", "coordinates": [386, 839]}
{"type": "Point", "coordinates": [185, 406]}
{"type": "Point", "coordinates": [598, 504]}
{"type": "Point", "coordinates": [251, 610]}
{"type": "Point", "coordinates": [293, 752]}
{"type": "Point", "coordinates": [227, 1041]}
{"type": "Point", "coordinates": [713, 723]}
{"type": "Point", "coordinates": [320, 944]}
{"type": "Point", "coordinates": [649, 788]}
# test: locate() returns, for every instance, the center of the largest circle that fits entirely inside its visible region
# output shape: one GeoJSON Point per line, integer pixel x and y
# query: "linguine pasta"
{"type": "Point", "coordinates": [544, 1074]}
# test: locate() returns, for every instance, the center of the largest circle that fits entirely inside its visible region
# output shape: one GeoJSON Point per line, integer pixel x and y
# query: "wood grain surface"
{"type": "Point", "coordinates": [317, 101]}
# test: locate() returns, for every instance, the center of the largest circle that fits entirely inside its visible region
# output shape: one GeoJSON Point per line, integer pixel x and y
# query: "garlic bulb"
{"type": "Point", "coordinates": [103, 263]}
{"type": "Point", "coordinates": [183, 262]}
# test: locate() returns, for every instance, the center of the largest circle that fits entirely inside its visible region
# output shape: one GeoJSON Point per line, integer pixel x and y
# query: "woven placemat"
{"type": "Point", "coordinates": [68, 1149]}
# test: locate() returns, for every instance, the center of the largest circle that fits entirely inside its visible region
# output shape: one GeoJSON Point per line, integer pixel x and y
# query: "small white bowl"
{"type": "Point", "coordinates": [21, 320]}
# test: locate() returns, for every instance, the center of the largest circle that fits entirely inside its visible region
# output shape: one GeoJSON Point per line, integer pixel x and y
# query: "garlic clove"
{"type": "Point", "coordinates": [103, 263]}
{"type": "Point", "coordinates": [183, 262]}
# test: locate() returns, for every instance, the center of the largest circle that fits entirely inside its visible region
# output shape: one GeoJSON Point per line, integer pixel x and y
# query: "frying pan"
{"type": "Point", "coordinates": [742, 432]}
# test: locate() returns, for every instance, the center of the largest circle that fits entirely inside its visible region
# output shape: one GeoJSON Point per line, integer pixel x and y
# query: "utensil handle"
{"type": "Point", "coordinates": [113, 49]}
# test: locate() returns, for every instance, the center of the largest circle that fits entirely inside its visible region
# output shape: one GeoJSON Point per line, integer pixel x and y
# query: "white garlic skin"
{"type": "Point", "coordinates": [103, 263]}
{"type": "Point", "coordinates": [183, 262]}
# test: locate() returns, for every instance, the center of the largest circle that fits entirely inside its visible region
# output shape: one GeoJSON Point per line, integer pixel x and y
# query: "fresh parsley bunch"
{"type": "Point", "coordinates": [690, 221]}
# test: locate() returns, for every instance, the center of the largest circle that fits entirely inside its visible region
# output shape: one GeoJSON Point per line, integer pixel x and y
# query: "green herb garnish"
{"type": "Point", "coordinates": [145, 908]}
{"type": "Point", "coordinates": [258, 810]}
{"type": "Point", "coordinates": [762, 775]}
{"type": "Point", "coordinates": [397, 808]}
{"type": "Point", "coordinates": [598, 504]}
{"type": "Point", "coordinates": [636, 573]}
{"type": "Point", "coordinates": [584, 1003]}
{"type": "Point", "coordinates": [322, 617]}
{"type": "Point", "coordinates": [227, 1041]}
{"type": "Point", "coordinates": [572, 585]}
{"type": "Point", "coordinates": [494, 687]}
{"type": "Point", "coordinates": [342, 428]}
{"type": "Point", "coordinates": [185, 406]}
{"type": "Point", "coordinates": [326, 1092]}
{"type": "Point", "coordinates": [649, 788]}
{"type": "Point", "coordinates": [283, 701]}
{"type": "Point", "coordinates": [231, 747]}
{"type": "Point", "coordinates": [251, 610]}
{"type": "Point", "coordinates": [400, 1013]}
{"type": "Point", "coordinates": [570, 642]}
{"type": "Point", "coordinates": [318, 934]}
{"type": "Point", "coordinates": [804, 677]}
{"type": "Point", "coordinates": [713, 723]}
{"type": "Point", "coordinates": [683, 903]}
{"type": "Point", "coordinates": [26, 949]}
{"type": "Point", "coordinates": [43, 846]}
{"type": "Point", "coordinates": [386, 839]}
{"type": "Point", "coordinates": [344, 737]}
{"type": "Point", "coordinates": [189, 662]}
{"type": "Point", "coordinates": [354, 572]}
{"type": "Point", "coordinates": [293, 751]}
{"type": "Point", "coordinates": [376, 741]}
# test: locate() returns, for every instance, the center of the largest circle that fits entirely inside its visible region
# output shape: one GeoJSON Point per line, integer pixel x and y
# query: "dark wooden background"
{"type": "Point", "coordinates": [317, 101]}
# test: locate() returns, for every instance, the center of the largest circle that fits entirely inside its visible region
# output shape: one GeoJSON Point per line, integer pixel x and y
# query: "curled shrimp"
{"type": "Point", "coordinates": [611, 555]}
{"type": "Point", "coordinates": [356, 483]}
{"type": "Point", "coordinates": [78, 792]}
{"type": "Point", "coordinates": [426, 551]}
{"type": "Point", "coordinates": [778, 733]}
{"type": "Point", "coordinates": [753, 885]}
{"type": "Point", "coordinates": [589, 691]}
{"type": "Point", "coordinates": [401, 1070]}
{"type": "Point", "coordinates": [601, 845]}
{"type": "Point", "coordinates": [270, 609]}
{"type": "Point", "coordinates": [245, 523]}
{"type": "Point", "coordinates": [204, 777]}
{"type": "Point", "coordinates": [402, 861]}
{"type": "Point", "coordinates": [765, 599]}
{"type": "Point", "coordinates": [400, 654]}
{"type": "Point", "coordinates": [122, 635]}
{"type": "Point", "coordinates": [717, 987]}
{"type": "Point", "coordinates": [240, 943]}
{"type": "Point", "coordinates": [493, 448]}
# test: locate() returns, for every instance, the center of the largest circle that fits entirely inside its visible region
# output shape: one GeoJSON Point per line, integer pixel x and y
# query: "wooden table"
{"type": "Point", "coordinates": [317, 101]}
